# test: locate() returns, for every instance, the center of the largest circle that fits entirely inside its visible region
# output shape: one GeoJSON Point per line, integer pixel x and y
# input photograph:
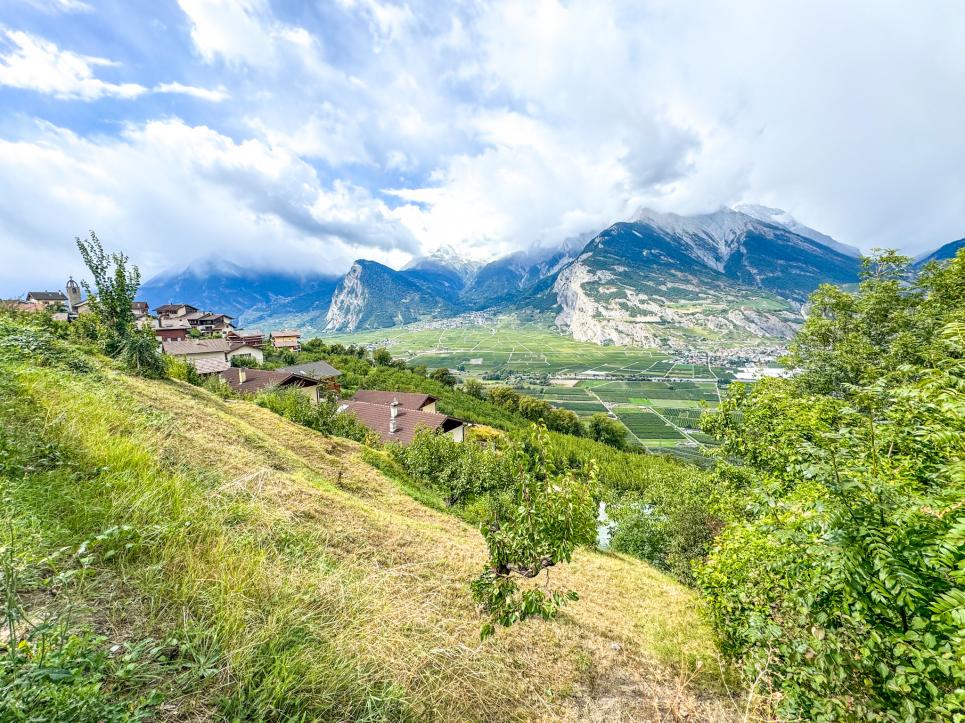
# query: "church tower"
{"type": "Point", "coordinates": [73, 295]}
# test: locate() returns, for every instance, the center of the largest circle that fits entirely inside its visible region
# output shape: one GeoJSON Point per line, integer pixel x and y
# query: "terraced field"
{"type": "Point", "coordinates": [510, 344]}
{"type": "Point", "coordinates": [656, 397]}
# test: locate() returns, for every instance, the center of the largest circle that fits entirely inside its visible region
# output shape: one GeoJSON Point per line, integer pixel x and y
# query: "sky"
{"type": "Point", "coordinates": [300, 135]}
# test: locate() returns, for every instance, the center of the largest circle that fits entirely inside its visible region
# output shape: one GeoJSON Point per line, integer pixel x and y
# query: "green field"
{"type": "Point", "coordinates": [660, 407]}
{"type": "Point", "coordinates": [509, 344]}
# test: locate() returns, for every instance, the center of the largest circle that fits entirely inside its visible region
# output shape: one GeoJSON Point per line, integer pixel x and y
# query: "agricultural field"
{"type": "Point", "coordinates": [657, 398]}
{"type": "Point", "coordinates": [484, 344]}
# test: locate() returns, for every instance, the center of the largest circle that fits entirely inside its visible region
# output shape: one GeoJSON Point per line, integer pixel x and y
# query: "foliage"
{"type": "Point", "coordinates": [382, 357]}
{"type": "Point", "coordinates": [443, 376]}
{"type": "Point", "coordinates": [608, 431]}
{"type": "Point", "coordinates": [536, 524]}
{"type": "Point", "coordinates": [323, 416]}
{"type": "Point", "coordinates": [139, 350]}
{"type": "Point", "coordinates": [474, 388]}
{"type": "Point", "coordinates": [178, 368]}
{"type": "Point", "coordinates": [115, 284]}
{"type": "Point", "coordinates": [457, 470]}
{"type": "Point", "coordinates": [841, 586]}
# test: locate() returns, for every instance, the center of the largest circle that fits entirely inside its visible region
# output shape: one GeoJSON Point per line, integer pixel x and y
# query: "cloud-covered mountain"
{"type": "Point", "coordinates": [244, 293]}
{"type": "Point", "coordinates": [660, 278]}
{"type": "Point", "coordinates": [655, 279]}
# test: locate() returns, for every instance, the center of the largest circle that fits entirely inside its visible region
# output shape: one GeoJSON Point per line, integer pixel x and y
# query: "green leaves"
{"type": "Point", "coordinates": [537, 525]}
{"type": "Point", "coordinates": [843, 587]}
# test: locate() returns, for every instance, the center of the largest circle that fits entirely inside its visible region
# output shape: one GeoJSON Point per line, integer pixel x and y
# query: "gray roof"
{"type": "Point", "coordinates": [47, 296]}
{"type": "Point", "coordinates": [195, 346]}
{"type": "Point", "coordinates": [316, 370]}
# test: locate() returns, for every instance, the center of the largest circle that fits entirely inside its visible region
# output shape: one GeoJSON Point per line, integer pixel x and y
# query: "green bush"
{"type": "Point", "coordinates": [840, 588]}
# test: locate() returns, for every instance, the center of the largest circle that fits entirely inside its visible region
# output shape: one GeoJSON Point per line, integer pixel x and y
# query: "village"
{"type": "Point", "coordinates": [209, 342]}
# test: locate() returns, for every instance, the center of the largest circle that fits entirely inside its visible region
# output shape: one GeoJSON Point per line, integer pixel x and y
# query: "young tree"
{"type": "Point", "coordinates": [443, 376]}
{"type": "Point", "coordinates": [474, 388]}
{"type": "Point", "coordinates": [382, 357]}
{"type": "Point", "coordinates": [536, 525]}
{"type": "Point", "coordinates": [609, 431]}
{"type": "Point", "coordinates": [115, 284]}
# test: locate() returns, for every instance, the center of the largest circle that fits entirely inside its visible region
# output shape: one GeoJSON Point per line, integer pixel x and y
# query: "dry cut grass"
{"type": "Point", "coordinates": [331, 594]}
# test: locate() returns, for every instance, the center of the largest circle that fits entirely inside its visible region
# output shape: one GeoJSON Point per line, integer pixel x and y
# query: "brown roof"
{"type": "Point", "coordinates": [210, 366]}
{"type": "Point", "coordinates": [258, 379]}
{"type": "Point", "coordinates": [164, 308]}
{"type": "Point", "coordinates": [215, 317]}
{"type": "Point", "coordinates": [408, 400]}
{"type": "Point", "coordinates": [289, 332]}
{"type": "Point", "coordinates": [195, 346]}
{"type": "Point", "coordinates": [377, 417]}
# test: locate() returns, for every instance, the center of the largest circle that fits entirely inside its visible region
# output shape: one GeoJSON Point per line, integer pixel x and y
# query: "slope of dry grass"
{"type": "Point", "coordinates": [328, 592]}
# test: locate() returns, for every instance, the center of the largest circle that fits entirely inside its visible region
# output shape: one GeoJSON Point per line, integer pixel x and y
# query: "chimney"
{"type": "Point", "coordinates": [393, 427]}
{"type": "Point", "coordinates": [394, 407]}
{"type": "Point", "coordinates": [241, 375]}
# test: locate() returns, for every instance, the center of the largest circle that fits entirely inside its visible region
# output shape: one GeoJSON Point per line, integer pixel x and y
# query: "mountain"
{"type": "Point", "coordinates": [942, 253]}
{"type": "Point", "coordinates": [442, 272]}
{"type": "Point", "coordinates": [371, 296]}
{"type": "Point", "coordinates": [783, 218]}
{"type": "Point", "coordinates": [231, 289]}
{"type": "Point", "coordinates": [662, 278]}
{"type": "Point", "coordinates": [509, 277]}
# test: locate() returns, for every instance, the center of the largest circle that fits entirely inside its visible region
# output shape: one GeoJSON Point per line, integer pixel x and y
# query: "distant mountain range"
{"type": "Point", "coordinates": [657, 279]}
{"type": "Point", "coordinates": [942, 253]}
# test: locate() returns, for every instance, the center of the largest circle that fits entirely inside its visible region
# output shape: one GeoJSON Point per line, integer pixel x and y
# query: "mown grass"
{"type": "Point", "coordinates": [310, 584]}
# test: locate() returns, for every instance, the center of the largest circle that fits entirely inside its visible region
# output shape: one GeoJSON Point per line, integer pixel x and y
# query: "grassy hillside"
{"type": "Point", "coordinates": [242, 566]}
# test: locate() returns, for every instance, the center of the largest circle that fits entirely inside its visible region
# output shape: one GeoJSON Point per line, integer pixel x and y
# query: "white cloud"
{"type": "Point", "coordinates": [216, 96]}
{"type": "Point", "coordinates": [37, 64]}
{"type": "Point", "coordinates": [33, 63]}
{"type": "Point", "coordinates": [167, 192]}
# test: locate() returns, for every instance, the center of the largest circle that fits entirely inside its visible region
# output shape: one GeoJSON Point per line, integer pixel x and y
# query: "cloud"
{"type": "Point", "coordinates": [215, 96]}
{"type": "Point", "coordinates": [167, 192]}
{"type": "Point", "coordinates": [36, 64]}
{"type": "Point", "coordinates": [62, 6]}
{"type": "Point", "coordinates": [387, 127]}
{"type": "Point", "coordinates": [33, 63]}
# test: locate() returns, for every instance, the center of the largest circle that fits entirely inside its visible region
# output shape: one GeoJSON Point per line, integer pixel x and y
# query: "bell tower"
{"type": "Point", "coordinates": [73, 295]}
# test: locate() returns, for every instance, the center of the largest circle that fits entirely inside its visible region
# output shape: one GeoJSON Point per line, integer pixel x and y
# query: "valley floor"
{"type": "Point", "coordinates": [319, 588]}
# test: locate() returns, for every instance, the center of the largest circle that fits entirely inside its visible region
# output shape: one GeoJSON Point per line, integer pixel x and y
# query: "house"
{"type": "Point", "coordinates": [170, 329]}
{"type": "Point", "coordinates": [322, 371]}
{"type": "Point", "coordinates": [285, 340]}
{"type": "Point", "coordinates": [251, 338]}
{"type": "Point", "coordinates": [139, 309]}
{"type": "Point", "coordinates": [252, 381]}
{"type": "Point", "coordinates": [407, 400]}
{"type": "Point", "coordinates": [47, 299]}
{"type": "Point", "coordinates": [395, 423]}
{"type": "Point", "coordinates": [315, 370]}
{"type": "Point", "coordinates": [240, 349]}
{"type": "Point", "coordinates": [210, 356]}
{"type": "Point", "coordinates": [212, 323]}
{"type": "Point", "coordinates": [168, 311]}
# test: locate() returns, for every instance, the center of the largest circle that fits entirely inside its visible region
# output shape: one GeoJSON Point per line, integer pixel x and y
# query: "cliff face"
{"type": "Point", "coordinates": [371, 296]}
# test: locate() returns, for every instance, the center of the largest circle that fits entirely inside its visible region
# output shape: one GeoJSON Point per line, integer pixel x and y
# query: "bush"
{"type": "Point", "coordinates": [456, 470]}
{"type": "Point", "coordinates": [323, 416]}
{"type": "Point", "coordinates": [141, 356]}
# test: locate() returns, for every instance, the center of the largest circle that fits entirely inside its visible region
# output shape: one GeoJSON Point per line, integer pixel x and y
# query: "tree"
{"type": "Point", "coordinates": [115, 284]}
{"type": "Point", "coordinates": [382, 357]}
{"type": "Point", "coordinates": [849, 339]}
{"type": "Point", "coordinates": [139, 350]}
{"type": "Point", "coordinates": [609, 431]}
{"type": "Point", "coordinates": [474, 388]}
{"type": "Point", "coordinates": [443, 376]}
{"type": "Point", "coordinates": [536, 525]}
{"type": "Point", "coordinates": [504, 397]}
{"type": "Point", "coordinates": [840, 584]}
